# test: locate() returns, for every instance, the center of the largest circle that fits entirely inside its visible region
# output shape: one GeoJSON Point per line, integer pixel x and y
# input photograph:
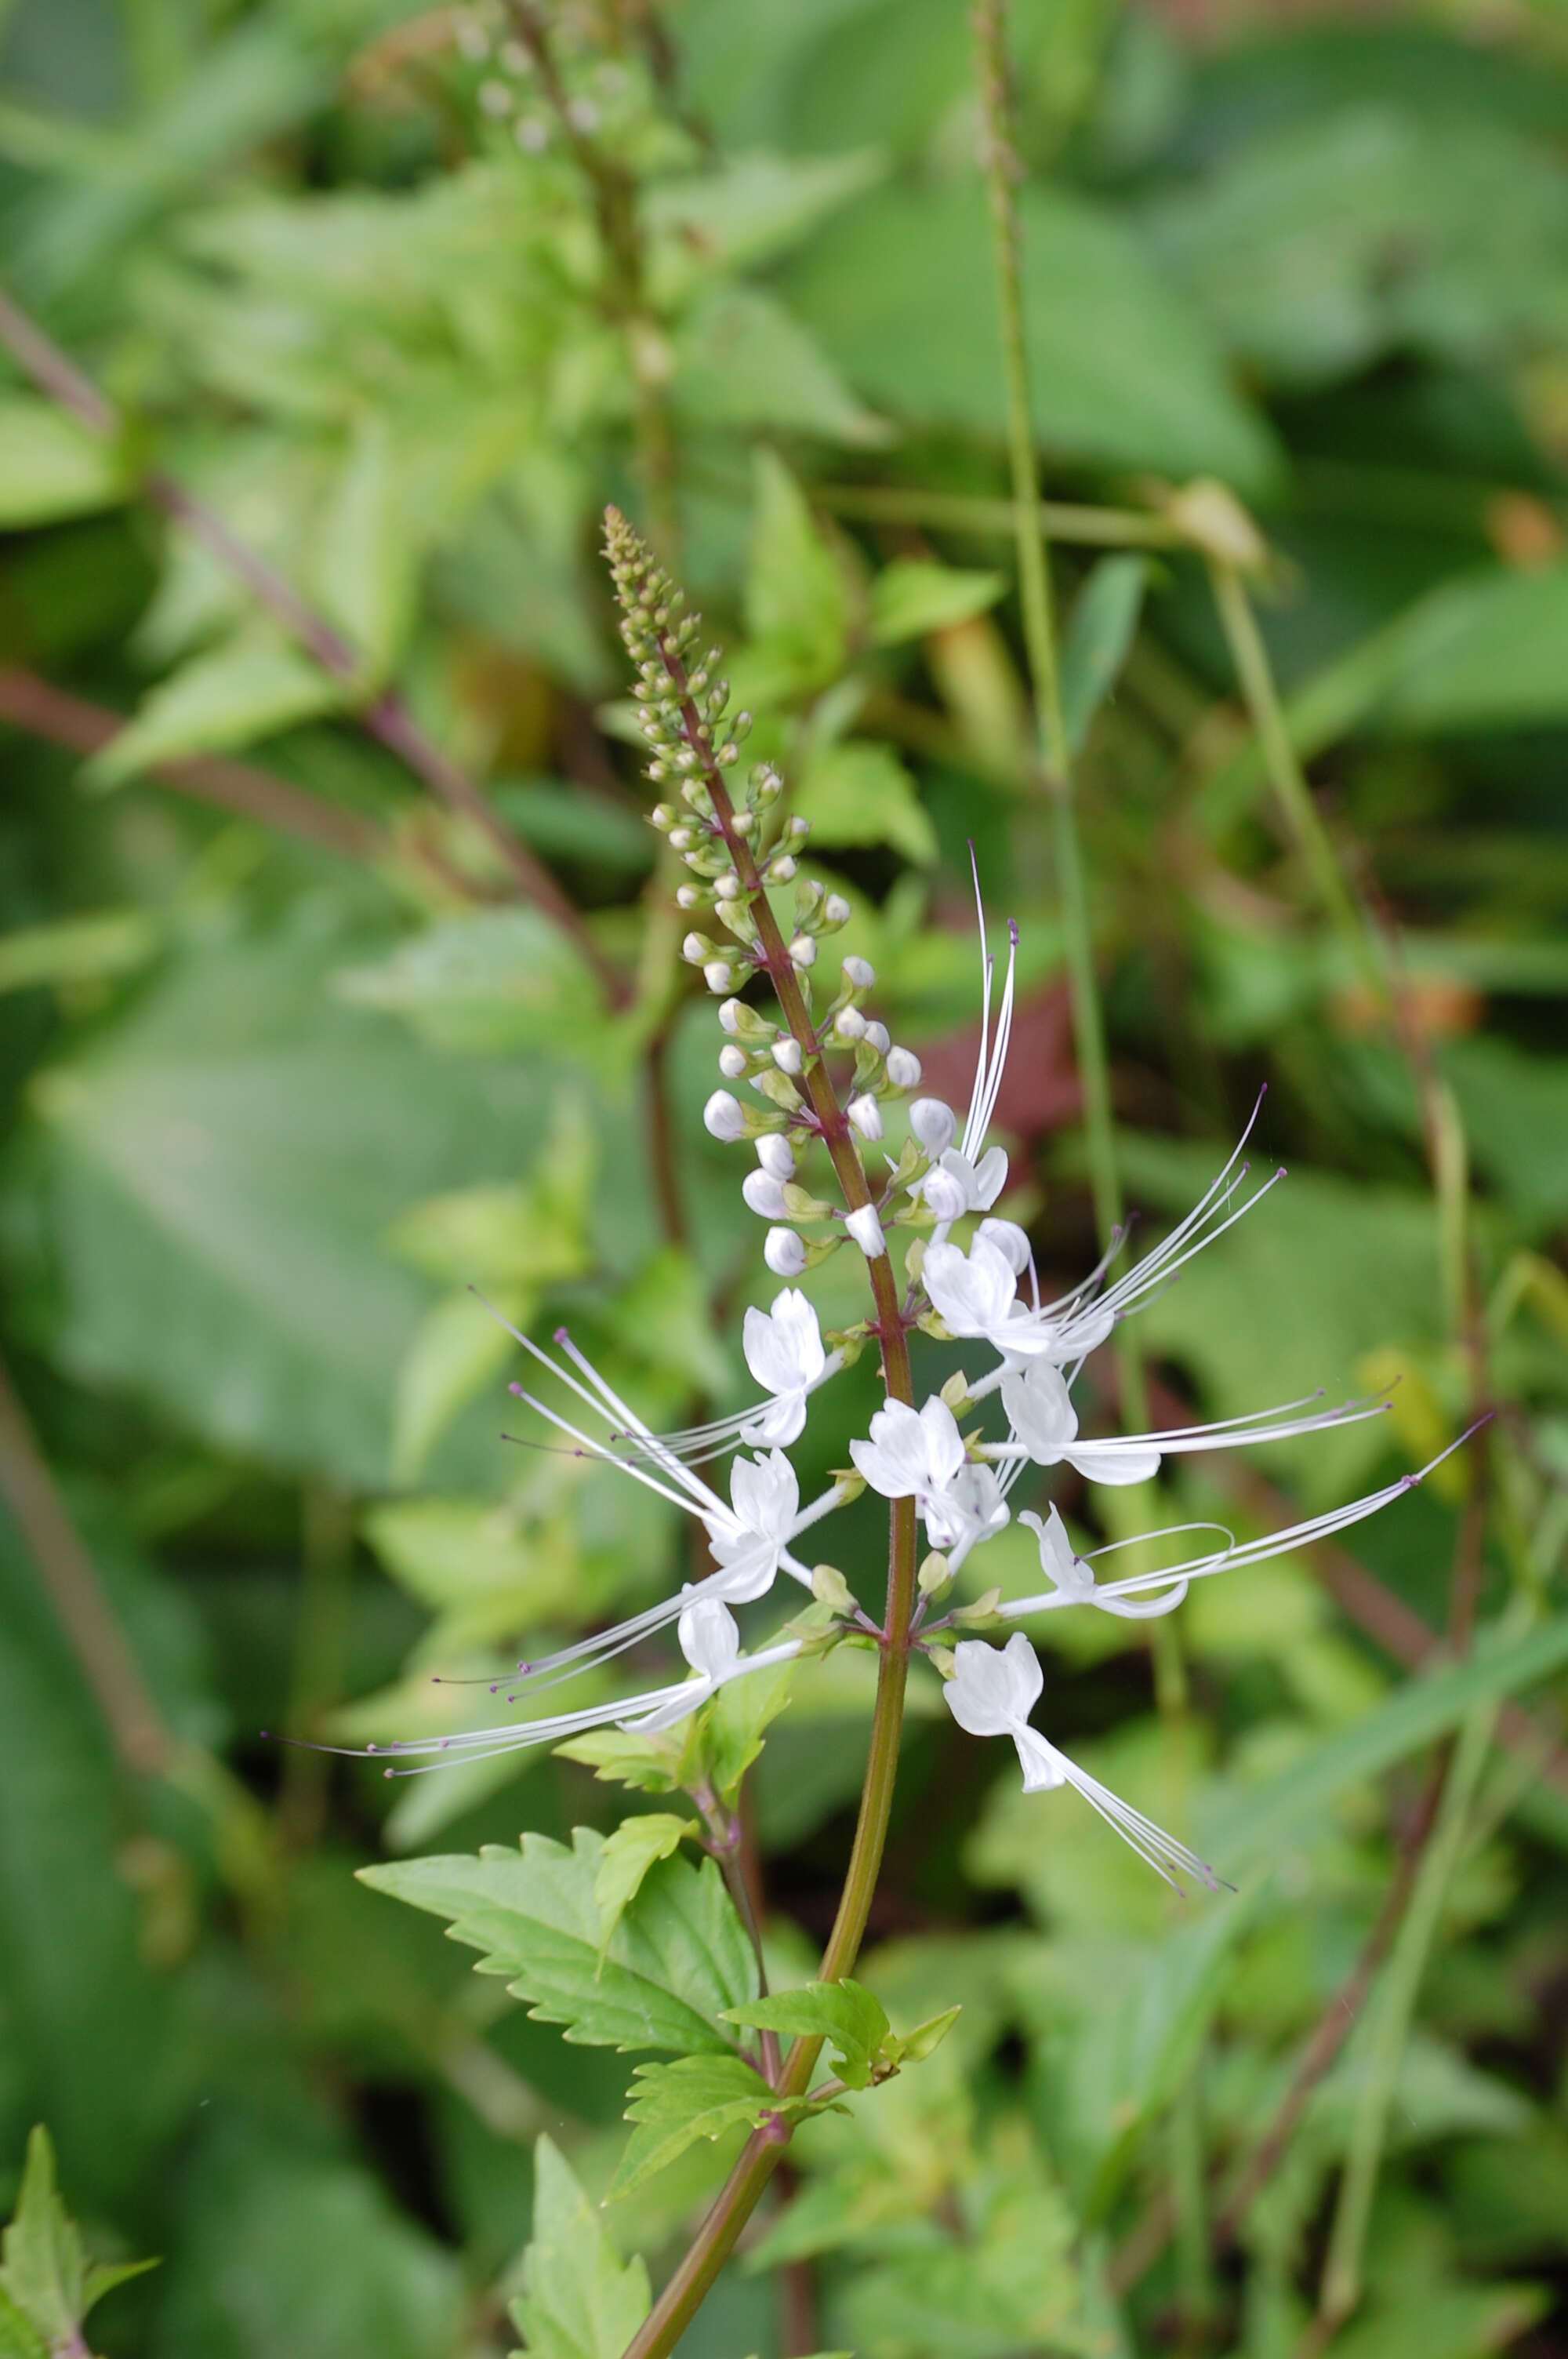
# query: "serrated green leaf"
{"type": "Point", "coordinates": [18, 2338]}
{"type": "Point", "coordinates": [1099, 636]}
{"type": "Point", "coordinates": [678, 1959]}
{"type": "Point", "coordinates": [729, 1730]}
{"type": "Point", "coordinates": [251, 687]}
{"type": "Point", "coordinates": [629, 1852]}
{"type": "Point", "coordinates": [649, 1765]}
{"type": "Point", "coordinates": [44, 2272]}
{"type": "Point", "coordinates": [579, 2301]}
{"type": "Point", "coordinates": [843, 2013]}
{"type": "Point", "coordinates": [914, 594]}
{"type": "Point", "coordinates": [860, 793]}
{"type": "Point", "coordinates": [51, 468]}
{"type": "Point", "coordinates": [672, 2106]}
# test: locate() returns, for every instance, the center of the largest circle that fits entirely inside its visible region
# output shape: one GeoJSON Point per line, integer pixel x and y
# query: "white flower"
{"type": "Point", "coordinates": [783, 1253]}
{"type": "Point", "coordinates": [785, 1352]}
{"type": "Point", "coordinates": [991, 1694]}
{"type": "Point", "coordinates": [956, 1185]}
{"type": "Point", "coordinates": [976, 1294]}
{"type": "Point", "coordinates": [922, 1457]}
{"type": "Point", "coordinates": [1009, 1240]}
{"type": "Point", "coordinates": [751, 1539]}
{"type": "Point", "coordinates": [708, 1639]}
{"type": "Point", "coordinates": [1074, 1581]}
{"type": "Point", "coordinates": [1045, 1428]}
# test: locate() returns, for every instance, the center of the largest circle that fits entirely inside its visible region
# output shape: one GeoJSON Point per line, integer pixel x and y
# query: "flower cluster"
{"type": "Point", "coordinates": [821, 1079]}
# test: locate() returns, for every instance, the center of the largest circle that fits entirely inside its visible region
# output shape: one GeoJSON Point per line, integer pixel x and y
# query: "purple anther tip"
{"type": "Point", "coordinates": [370, 1749]}
{"type": "Point", "coordinates": [1283, 1172]}
{"type": "Point", "coordinates": [1012, 933]}
{"type": "Point", "coordinates": [266, 1732]}
{"type": "Point", "coordinates": [561, 1336]}
{"type": "Point", "coordinates": [495, 1687]}
{"type": "Point", "coordinates": [516, 1390]}
{"type": "Point", "coordinates": [445, 1742]}
{"type": "Point", "coordinates": [389, 1773]}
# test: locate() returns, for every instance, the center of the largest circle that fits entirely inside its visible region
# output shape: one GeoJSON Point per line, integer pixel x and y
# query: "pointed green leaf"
{"type": "Point", "coordinates": [366, 572]}
{"type": "Point", "coordinates": [914, 594]}
{"type": "Point", "coordinates": [249, 687]}
{"type": "Point", "coordinates": [794, 592]}
{"type": "Point", "coordinates": [51, 467]}
{"type": "Point", "coordinates": [46, 2282]}
{"type": "Point", "coordinates": [677, 1960]}
{"type": "Point", "coordinates": [628, 1854]}
{"type": "Point", "coordinates": [862, 793]}
{"type": "Point", "coordinates": [578, 2300]}
{"type": "Point", "coordinates": [921, 2042]}
{"type": "Point", "coordinates": [1099, 636]}
{"type": "Point", "coordinates": [672, 2106]}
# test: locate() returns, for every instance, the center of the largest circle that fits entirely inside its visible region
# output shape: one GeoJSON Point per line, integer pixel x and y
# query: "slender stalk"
{"type": "Point", "coordinates": [141, 1736]}
{"type": "Point", "coordinates": [716, 2238]}
{"type": "Point", "coordinates": [1390, 2026]}
{"type": "Point", "coordinates": [1286, 776]}
{"type": "Point", "coordinates": [31, 704]}
{"type": "Point", "coordinates": [1066, 520]}
{"type": "Point", "coordinates": [386, 717]}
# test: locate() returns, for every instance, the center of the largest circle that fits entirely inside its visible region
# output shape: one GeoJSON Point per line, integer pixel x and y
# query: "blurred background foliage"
{"type": "Point", "coordinates": [294, 1048]}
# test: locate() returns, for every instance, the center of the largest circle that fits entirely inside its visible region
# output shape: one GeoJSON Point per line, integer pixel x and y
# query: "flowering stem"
{"type": "Point", "coordinates": [764, 2149]}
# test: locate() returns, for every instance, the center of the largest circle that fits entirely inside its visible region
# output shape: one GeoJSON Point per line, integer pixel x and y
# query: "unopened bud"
{"type": "Point", "coordinates": [787, 1054]}
{"type": "Point", "coordinates": [729, 1016]}
{"type": "Point", "coordinates": [723, 1118]}
{"type": "Point", "coordinates": [946, 1196]}
{"type": "Point", "coordinates": [775, 1154]}
{"type": "Point", "coordinates": [876, 1037]}
{"type": "Point", "coordinates": [802, 950]}
{"type": "Point", "coordinates": [850, 1024]}
{"type": "Point", "coordinates": [836, 910]}
{"type": "Point", "coordinates": [903, 1069]}
{"type": "Point", "coordinates": [783, 1253]}
{"type": "Point", "coordinates": [934, 1574]}
{"type": "Point", "coordinates": [859, 973]}
{"type": "Point", "coordinates": [933, 1124]}
{"type": "Point", "coordinates": [732, 1061]}
{"type": "Point", "coordinates": [1009, 1240]}
{"type": "Point", "coordinates": [866, 1229]}
{"type": "Point", "coordinates": [763, 1195]}
{"type": "Point", "coordinates": [719, 975]}
{"type": "Point", "coordinates": [867, 1117]}
{"type": "Point", "coordinates": [829, 1588]}
{"type": "Point", "coordinates": [696, 950]}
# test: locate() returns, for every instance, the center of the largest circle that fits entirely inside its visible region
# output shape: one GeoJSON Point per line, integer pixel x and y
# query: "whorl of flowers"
{"type": "Point", "coordinates": [819, 1073]}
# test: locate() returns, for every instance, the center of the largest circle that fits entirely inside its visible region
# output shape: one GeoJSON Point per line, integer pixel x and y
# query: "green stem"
{"type": "Point", "coordinates": [1250, 657]}
{"type": "Point", "coordinates": [1389, 2026]}
{"type": "Point", "coordinates": [735, 2203]}
{"type": "Point", "coordinates": [964, 512]}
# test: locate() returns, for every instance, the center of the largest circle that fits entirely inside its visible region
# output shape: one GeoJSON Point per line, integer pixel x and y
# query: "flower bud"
{"type": "Point", "coordinates": [1009, 1240]}
{"type": "Point", "coordinates": [836, 910]}
{"type": "Point", "coordinates": [903, 1069]}
{"type": "Point", "coordinates": [719, 975]}
{"type": "Point", "coordinates": [876, 1037]}
{"type": "Point", "coordinates": [934, 1574]}
{"type": "Point", "coordinates": [688, 897]}
{"type": "Point", "coordinates": [763, 1195]}
{"type": "Point", "coordinates": [829, 1588]}
{"type": "Point", "coordinates": [859, 973]}
{"type": "Point", "coordinates": [781, 869]}
{"type": "Point", "coordinates": [866, 1229]}
{"type": "Point", "coordinates": [733, 1062]}
{"type": "Point", "coordinates": [802, 950]}
{"type": "Point", "coordinates": [775, 1154]}
{"type": "Point", "coordinates": [783, 1253]}
{"type": "Point", "coordinates": [787, 1054]}
{"type": "Point", "coordinates": [723, 1118]}
{"type": "Point", "coordinates": [867, 1117]}
{"type": "Point", "coordinates": [729, 1016]}
{"type": "Point", "coordinates": [944, 1195]}
{"type": "Point", "coordinates": [933, 1124]}
{"type": "Point", "coordinates": [696, 950]}
{"type": "Point", "coordinates": [850, 1024]}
